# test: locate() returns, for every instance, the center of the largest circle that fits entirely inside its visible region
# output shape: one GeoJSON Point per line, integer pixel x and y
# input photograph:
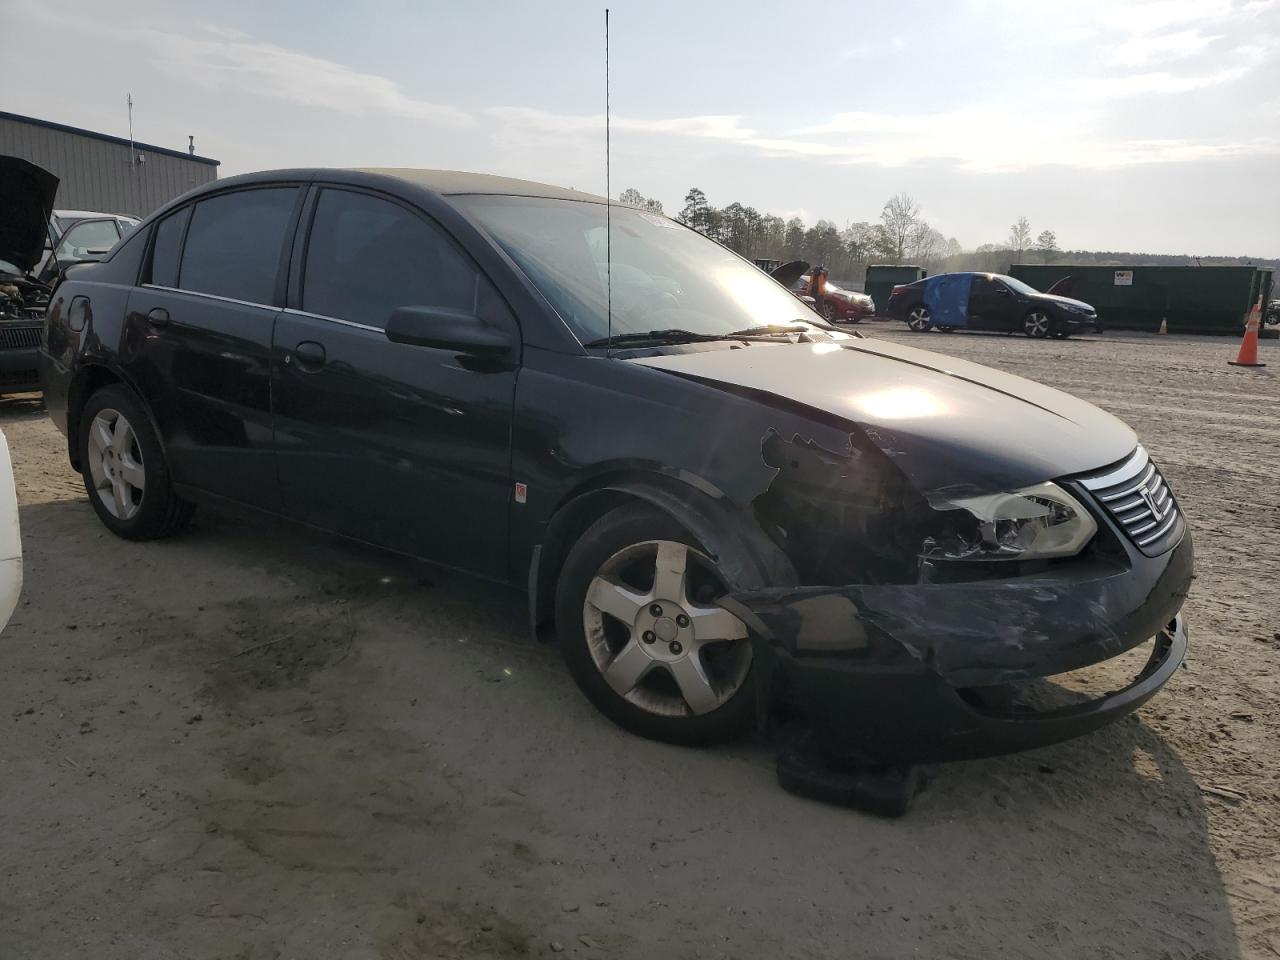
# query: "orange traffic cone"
{"type": "Point", "coordinates": [1248, 356]}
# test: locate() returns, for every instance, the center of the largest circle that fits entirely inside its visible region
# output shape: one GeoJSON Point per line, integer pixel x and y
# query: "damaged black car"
{"type": "Point", "coordinates": [728, 512]}
{"type": "Point", "coordinates": [26, 199]}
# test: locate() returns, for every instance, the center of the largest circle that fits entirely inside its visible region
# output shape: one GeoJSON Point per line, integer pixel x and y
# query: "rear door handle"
{"type": "Point", "coordinates": [309, 354]}
{"type": "Point", "coordinates": [158, 316]}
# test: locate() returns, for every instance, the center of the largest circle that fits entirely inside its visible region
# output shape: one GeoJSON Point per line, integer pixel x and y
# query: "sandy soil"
{"type": "Point", "coordinates": [253, 742]}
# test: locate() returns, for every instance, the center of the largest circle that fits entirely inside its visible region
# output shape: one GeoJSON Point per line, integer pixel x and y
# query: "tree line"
{"type": "Point", "coordinates": [902, 235]}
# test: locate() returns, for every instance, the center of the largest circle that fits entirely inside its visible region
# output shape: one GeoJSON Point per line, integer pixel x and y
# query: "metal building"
{"type": "Point", "coordinates": [96, 170]}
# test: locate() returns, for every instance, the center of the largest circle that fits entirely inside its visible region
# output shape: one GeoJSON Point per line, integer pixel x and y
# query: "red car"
{"type": "Point", "coordinates": [839, 305]}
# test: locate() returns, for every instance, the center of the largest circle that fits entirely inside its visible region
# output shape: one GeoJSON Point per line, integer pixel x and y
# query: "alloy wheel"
{"type": "Point", "coordinates": [657, 637]}
{"type": "Point", "coordinates": [115, 464]}
{"type": "Point", "coordinates": [918, 319]}
{"type": "Point", "coordinates": [1036, 324]}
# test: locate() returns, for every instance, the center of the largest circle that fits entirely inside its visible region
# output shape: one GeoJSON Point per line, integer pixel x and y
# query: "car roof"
{"type": "Point", "coordinates": [453, 182]}
{"type": "Point", "coordinates": [90, 214]}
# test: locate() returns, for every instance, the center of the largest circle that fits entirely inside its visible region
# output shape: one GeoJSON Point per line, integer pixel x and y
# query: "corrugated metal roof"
{"type": "Point", "coordinates": [108, 138]}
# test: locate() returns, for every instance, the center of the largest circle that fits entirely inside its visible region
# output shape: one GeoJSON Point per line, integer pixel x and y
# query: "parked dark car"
{"type": "Point", "coordinates": [26, 197]}
{"type": "Point", "coordinates": [988, 301]}
{"type": "Point", "coordinates": [720, 503]}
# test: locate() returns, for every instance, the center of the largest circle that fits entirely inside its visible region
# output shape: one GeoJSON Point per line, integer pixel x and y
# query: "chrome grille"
{"type": "Point", "coordinates": [1138, 499]}
{"type": "Point", "coordinates": [14, 337]}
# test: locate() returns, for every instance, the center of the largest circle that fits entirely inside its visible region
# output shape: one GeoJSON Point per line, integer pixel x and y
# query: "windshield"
{"type": "Point", "coordinates": [665, 276]}
{"type": "Point", "coordinates": [1018, 286]}
{"type": "Point", "coordinates": [8, 268]}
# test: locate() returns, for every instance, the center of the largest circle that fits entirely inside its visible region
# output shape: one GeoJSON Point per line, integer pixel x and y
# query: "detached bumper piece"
{"type": "Point", "coordinates": [809, 767]}
{"type": "Point", "coordinates": [804, 770]}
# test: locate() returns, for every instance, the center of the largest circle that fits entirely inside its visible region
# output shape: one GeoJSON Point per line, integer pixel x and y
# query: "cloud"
{"type": "Point", "coordinates": [1156, 16]}
{"type": "Point", "coordinates": [1142, 49]}
{"type": "Point", "coordinates": [1243, 60]}
{"type": "Point", "coordinates": [709, 126]}
{"type": "Point", "coordinates": [225, 60]}
{"type": "Point", "coordinates": [220, 59]}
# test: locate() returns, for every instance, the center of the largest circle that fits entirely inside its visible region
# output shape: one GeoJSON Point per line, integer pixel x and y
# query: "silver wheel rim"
{"type": "Point", "coordinates": [1036, 324]}
{"type": "Point", "coordinates": [918, 319]}
{"type": "Point", "coordinates": [115, 464]}
{"type": "Point", "coordinates": [667, 652]}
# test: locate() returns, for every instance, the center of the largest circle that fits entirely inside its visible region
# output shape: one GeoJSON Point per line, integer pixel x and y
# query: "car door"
{"type": "Point", "coordinates": [992, 305]}
{"type": "Point", "coordinates": [401, 445]}
{"type": "Point", "coordinates": [198, 337]}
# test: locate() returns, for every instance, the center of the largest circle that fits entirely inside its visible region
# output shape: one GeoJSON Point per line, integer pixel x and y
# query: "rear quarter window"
{"type": "Point", "coordinates": [168, 245]}
{"type": "Point", "coordinates": [234, 244]}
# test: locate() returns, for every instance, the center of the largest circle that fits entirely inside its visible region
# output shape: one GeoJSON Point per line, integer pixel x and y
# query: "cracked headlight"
{"type": "Point", "coordinates": [1030, 524]}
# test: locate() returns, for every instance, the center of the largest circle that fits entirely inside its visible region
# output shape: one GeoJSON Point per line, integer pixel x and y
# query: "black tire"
{"type": "Point", "coordinates": [1038, 331]}
{"type": "Point", "coordinates": [160, 512]}
{"type": "Point", "coordinates": [919, 320]}
{"type": "Point", "coordinates": [615, 532]}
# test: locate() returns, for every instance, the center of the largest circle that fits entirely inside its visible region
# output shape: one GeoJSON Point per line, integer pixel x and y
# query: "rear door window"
{"type": "Point", "coordinates": [235, 242]}
{"type": "Point", "coordinates": [167, 247]}
{"type": "Point", "coordinates": [366, 256]}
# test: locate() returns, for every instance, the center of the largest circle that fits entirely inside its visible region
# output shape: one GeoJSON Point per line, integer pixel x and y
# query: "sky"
{"type": "Point", "coordinates": [1149, 126]}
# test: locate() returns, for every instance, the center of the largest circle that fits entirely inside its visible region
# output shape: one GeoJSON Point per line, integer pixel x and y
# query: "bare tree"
{"type": "Point", "coordinates": [1020, 235]}
{"type": "Point", "coordinates": [632, 197]}
{"type": "Point", "coordinates": [899, 219]}
{"type": "Point", "coordinates": [1047, 244]}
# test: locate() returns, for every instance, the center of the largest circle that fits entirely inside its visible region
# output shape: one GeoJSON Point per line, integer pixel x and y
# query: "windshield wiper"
{"type": "Point", "coordinates": [674, 335]}
{"type": "Point", "coordinates": [678, 335]}
{"type": "Point", "coordinates": [771, 329]}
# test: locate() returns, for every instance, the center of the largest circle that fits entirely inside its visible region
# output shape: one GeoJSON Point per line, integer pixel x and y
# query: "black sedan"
{"type": "Point", "coordinates": [726, 509]}
{"type": "Point", "coordinates": [988, 301]}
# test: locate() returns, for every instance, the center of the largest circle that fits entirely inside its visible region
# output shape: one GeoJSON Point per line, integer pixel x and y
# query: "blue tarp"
{"type": "Point", "coordinates": [947, 297]}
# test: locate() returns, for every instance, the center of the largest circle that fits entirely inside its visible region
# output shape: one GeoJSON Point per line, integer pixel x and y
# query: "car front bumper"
{"type": "Point", "coordinates": [896, 674]}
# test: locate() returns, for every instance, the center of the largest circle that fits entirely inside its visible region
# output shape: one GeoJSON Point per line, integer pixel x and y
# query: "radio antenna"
{"type": "Point", "coordinates": [608, 190]}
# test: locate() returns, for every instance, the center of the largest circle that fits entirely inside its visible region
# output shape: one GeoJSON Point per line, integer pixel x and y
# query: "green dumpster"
{"type": "Point", "coordinates": [1192, 299]}
{"type": "Point", "coordinates": [883, 277]}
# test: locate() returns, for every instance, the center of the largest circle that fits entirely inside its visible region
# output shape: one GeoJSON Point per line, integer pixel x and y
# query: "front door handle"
{"type": "Point", "coordinates": [310, 354]}
{"type": "Point", "coordinates": [158, 316]}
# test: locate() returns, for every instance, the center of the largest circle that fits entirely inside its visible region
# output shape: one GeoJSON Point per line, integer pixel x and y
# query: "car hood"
{"type": "Point", "coordinates": [26, 202]}
{"type": "Point", "coordinates": [951, 426]}
{"type": "Point", "coordinates": [1066, 301]}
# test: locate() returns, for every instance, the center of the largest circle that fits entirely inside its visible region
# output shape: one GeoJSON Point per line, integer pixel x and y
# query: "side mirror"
{"type": "Point", "coordinates": [447, 329]}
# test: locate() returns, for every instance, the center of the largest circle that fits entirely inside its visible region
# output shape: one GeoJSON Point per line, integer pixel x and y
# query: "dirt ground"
{"type": "Point", "coordinates": [253, 742]}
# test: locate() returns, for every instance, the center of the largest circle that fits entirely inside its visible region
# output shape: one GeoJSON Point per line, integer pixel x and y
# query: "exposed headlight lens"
{"type": "Point", "coordinates": [1034, 523]}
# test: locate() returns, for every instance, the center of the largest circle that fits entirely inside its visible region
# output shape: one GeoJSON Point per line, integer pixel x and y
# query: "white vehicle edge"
{"type": "Point", "coordinates": [10, 537]}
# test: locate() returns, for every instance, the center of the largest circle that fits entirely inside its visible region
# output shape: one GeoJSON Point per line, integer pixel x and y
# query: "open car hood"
{"type": "Point", "coordinates": [949, 425]}
{"type": "Point", "coordinates": [789, 272]}
{"type": "Point", "coordinates": [26, 203]}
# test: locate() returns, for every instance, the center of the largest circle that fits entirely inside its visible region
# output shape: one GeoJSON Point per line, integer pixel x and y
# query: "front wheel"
{"type": "Point", "coordinates": [124, 468]}
{"type": "Point", "coordinates": [1037, 324]}
{"type": "Point", "coordinates": [919, 319]}
{"type": "Point", "coordinates": [642, 636]}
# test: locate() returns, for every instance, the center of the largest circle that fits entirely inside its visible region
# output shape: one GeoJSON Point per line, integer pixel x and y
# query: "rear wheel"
{"type": "Point", "coordinates": [642, 636]}
{"type": "Point", "coordinates": [124, 469]}
{"type": "Point", "coordinates": [919, 319]}
{"type": "Point", "coordinates": [1037, 324]}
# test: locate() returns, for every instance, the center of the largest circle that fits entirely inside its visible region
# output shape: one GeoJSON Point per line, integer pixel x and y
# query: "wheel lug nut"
{"type": "Point", "coordinates": [648, 636]}
{"type": "Point", "coordinates": [656, 609]}
{"type": "Point", "coordinates": [675, 647]}
{"type": "Point", "coordinates": [682, 620]}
